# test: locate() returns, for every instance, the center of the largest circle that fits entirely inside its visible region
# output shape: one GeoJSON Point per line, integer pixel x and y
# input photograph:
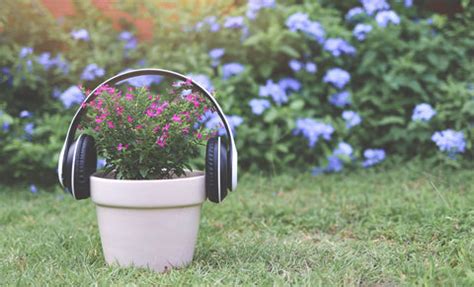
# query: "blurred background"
{"type": "Point", "coordinates": [308, 86]}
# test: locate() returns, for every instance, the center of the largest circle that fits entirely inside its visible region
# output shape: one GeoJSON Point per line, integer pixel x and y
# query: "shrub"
{"type": "Point", "coordinates": [296, 80]}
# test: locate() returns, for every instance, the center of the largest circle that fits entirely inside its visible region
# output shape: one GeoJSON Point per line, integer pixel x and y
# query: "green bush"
{"type": "Point", "coordinates": [426, 58]}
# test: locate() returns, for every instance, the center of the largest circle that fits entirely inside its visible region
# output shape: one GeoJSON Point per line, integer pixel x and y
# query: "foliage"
{"type": "Point", "coordinates": [403, 226]}
{"type": "Point", "coordinates": [143, 135]}
{"type": "Point", "coordinates": [298, 80]}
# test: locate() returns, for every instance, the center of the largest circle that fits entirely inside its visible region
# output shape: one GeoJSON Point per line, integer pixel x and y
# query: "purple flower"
{"type": "Point", "coordinates": [234, 121]}
{"type": "Point", "coordinates": [213, 121]}
{"type": "Point", "coordinates": [343, 149]}
{"type": "Point", "coordinates": [312, 130]}
{"type": "Point", "coordinates": [311, 67]}
{"type": "Point", "coordinates": [295, 65]}
{"type": "Point", "coordinates": [338, 46]}
{"type": "Point", "coordinates": [5, 127]}
{"type": "Point", "coordinates": [80, 34]}
{"type": "Point", "coordinates": [33, 188]}
{"type": "Point", "coordinates": [47, 62]}
{"type": "Point", "coordinates": [340, 99]}
{"type": "Point", "coordinates": [372, 6]}
{"type": "Point", "coordinates": [408, 3]}
{"type": "Point", "coordinates": [275, 91]}
{"type": "Point", "coordinates": [91, 72]}
{"type": "Point", "coordinates": [351, 118]}
{"type": "Point", "coordinates": [25, 51]}
{"type": "Point", "coordinates": [361, 31]}
{"type": "Point", "coordinates": [373, 157]}
{"type": "Point", "coordinates": [73, 95]}
{"type": "Point", "coordinates": [301, 22]}
{"type": "Point", "coordinates": [254, 6]}
{"type": "Point", "coordinates": [101, 162]}
{"type": "Point", "coordinates": [202, 80]}
{"type": "Point", "coordinates": [383, 18]}
{"type": "Point", "coordinates": [423, 112]}
{"type": "Point", "coordinates": [450, 141]}
{"type": "Point", "coordinates": [29, 128]}
{"type": "Point", "coordinates": [337, 77]}
{"type": "Point", "coordinates": [289, 84]}
{"type": "Point", "coordinates": [25, 114]}
{"type": "Point", "coordinates": [142, 81]}
{"type": "Point", "coordinates": [259, 105]}
{"type": "Point", "coordinates": [236, 22]}
{"type": "Point", "coordinates": [232, 69]}
{"type": "Point", "coordinates": [334, 164]}
{"type": "Point", "coordinates": [129, 39]}
{"type": "Point", "coordinates": [215, 55]}
{"type": "Point", "coordinates": [354, 12]}
{"type": "Point", "coordinates": [210, 21]}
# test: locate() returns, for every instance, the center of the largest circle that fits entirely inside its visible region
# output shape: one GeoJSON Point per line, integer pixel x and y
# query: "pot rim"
{"type": "Point", "coordinates": [190, 175]}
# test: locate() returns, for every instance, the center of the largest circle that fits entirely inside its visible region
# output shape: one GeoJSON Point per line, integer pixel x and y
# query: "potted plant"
{"type": "Point", "coordinates": [148, 200]}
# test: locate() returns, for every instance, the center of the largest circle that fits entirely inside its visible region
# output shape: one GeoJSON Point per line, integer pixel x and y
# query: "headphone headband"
{"type": "Point", "coordinates": [147, 72]}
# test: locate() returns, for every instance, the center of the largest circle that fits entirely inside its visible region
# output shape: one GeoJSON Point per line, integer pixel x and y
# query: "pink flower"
{"type": "Point", "coordinates": [161, 141]}
{"type": "Point", "coordinates": [129, 119]}
{"type": "Point", "coordinates": [156, 129]}
{"type": "Point", "coordinates": [139, 127]}
{"type": "Point", "coordinates": [129, 97]}
{"type": "Point", "coordinates": [166, 128]}
{"type": "Point", "coordinates": [199, 136]}
{"type": "Point", "coordinates": [110, 124]}
{"type": "Point", "coordinates": [119, 110]}
{"type": "Point", "coordinates": [84, 105]}
{"type": "Point", "coordinates": [185, 130]}
{"type": "Point", "coordinates": [121, 147]}
{"type": "Point", "coordinates": [176, 118]}
{"type": "Point", "coordinates": [97, 128]}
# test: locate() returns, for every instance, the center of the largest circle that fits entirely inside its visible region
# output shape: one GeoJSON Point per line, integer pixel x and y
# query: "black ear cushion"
{"type": "Point", "coordinates": [85, 166]}
{"type": "Point", "coordinates": [211, 170]}
{"type": "Point", "coordinates": [224, 171]}
{"type": "Point", "coordinates": [67, 167]}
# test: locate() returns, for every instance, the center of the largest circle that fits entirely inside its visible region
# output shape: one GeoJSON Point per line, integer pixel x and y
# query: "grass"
{"type": "Point", "coordinates": [403, 226]}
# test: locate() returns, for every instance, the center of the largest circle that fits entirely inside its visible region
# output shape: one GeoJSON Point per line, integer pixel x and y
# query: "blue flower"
{"type": "Point", "coordinates": [289, 84]}
{"type": "Point", "coordinates": [73, 95]}
{"type": "Point", "coordinates": [213, 121]}
{"type": "Point", "coordinates": [91, 72]}
{"type": "Point", "coordinates": [334, 164]}
{"type": "Point", "coordinates": [340, 99]}
{"type": "Point", "coordinates": [361, 31]}
{"type": "Point", "coordinates": [301, 22]}
{"type": "Point", "coordinates": [343, 149]}
{"type": "Point", "coordinates": [354, 12]}
{"type": "Point", "coordinates": [29, 128]}
{"type": "Point", "coordinates": [254, 6]}
{"type": "Point", "coordinates": [450, 141]}
{"type": "Point", "coordinates": [259, 105]}
{"type": "Point", "coordinates": [373, 157]}
{"type": "Point", "coordinates": [423, 112]}
{"type": "Point", "coordinates": [142, 81]}
{"type": "Point", "coordinates": [216, 53]}
{"type": "Point", "coordinates": [372, 6]}
{"type": "Point", "coordinates": [312, 130]}
{"type": "Point", "coordinates": [47, 62]}
{"type": "Point", "coordinates": [338, 46]}
{"type": "Point", "coordinates": [202, 80]}
{"type": "Point", "coordinates": [101, 163]}
{"type": "Point", "coordinates": [25, 51]}
{"type": "Point", "coordinates": [129, 39]}
{"type": "Point", "coordinates": [234, 121]}
{"type": "Point", "coordinates": [5, 127]}
{"type": "Point", "coordinates": [337, 77]}
{"type": "Point", "coordinates": [33, 188]}
{"type": "Point", "coordinates": [236, 22]}
{"type": "Point", "coordinates": [80, 34]}
{"type": "Point", "coordinates": [351, 118]}
{"type": "Point", "coordinates": [25, 114]}
{"type": "Point", "coordinates": [311, 67]}
{"type": "Point", "coordinates": [295, 65]}
{"type": "Point", "coordinates": [408, 3]}
{"type": "Point", "coordinates": [275, 91]}
{"type": "Point", "coordinates": [210, 21]}
{"type": "Point", "coordinates": [232, 69]}
{"type": "Point", "coordinates": [383, 18]}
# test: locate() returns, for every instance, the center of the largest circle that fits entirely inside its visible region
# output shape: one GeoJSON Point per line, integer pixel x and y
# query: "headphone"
{"type": "Point", "coordinates": [78, 158]}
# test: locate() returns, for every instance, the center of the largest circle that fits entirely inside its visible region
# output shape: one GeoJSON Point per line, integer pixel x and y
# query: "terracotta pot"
{"type": "Point", "coordinates": [149, 223]}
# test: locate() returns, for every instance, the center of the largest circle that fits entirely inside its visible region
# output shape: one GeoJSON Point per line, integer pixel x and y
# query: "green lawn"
{"type": "Point", "coordinates": [402, 226]}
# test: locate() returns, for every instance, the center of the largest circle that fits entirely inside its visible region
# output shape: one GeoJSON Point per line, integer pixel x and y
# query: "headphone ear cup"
{"type": "Point", "coordinates": [211, 171]}
{"type": "Point", "coordinates": [216, 170]}
{"type": "Point", "coordinates": [85, 164]}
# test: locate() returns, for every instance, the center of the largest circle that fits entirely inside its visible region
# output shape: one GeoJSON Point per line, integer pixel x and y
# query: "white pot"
{"type": "Point", "coordinates": [149, 223]}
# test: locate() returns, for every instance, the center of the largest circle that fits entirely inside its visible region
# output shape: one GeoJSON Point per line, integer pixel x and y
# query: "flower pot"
{"type": "Point", "coordinates": [149, 223]}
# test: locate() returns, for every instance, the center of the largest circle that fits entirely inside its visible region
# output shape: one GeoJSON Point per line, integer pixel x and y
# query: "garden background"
{"type": "Point", "coordinates": [311, 88]}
